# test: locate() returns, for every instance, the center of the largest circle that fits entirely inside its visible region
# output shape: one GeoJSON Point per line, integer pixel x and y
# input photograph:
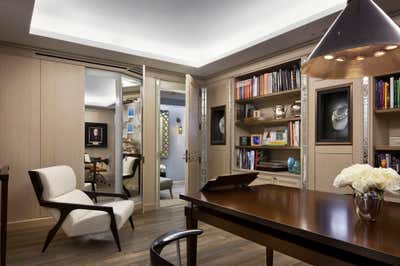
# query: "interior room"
{"type": "Point", "coordinates": [200, 132]}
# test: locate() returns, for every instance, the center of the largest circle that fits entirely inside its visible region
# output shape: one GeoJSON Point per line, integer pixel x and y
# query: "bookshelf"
{"type": "Point", "coordinates": [260, 91]}
{"type": "Point", "coordinates": [386, 121]}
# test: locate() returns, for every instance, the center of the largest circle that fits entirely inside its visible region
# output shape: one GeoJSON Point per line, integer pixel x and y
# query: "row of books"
{"type": "Point", "coordinates": [386, 160]}
{"type": "Point", "coordinates": [294, 133]}
{"type": "Point", "coordinates": [246, 159]}
{"type": "Point", "coordinates": [281, 80]}
{"type": "Point", "coordinates": [249, 159]}
{"type": "Point", "coordinates": [388, 94]}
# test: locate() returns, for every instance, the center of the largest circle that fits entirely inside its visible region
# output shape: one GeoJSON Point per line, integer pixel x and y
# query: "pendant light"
{"type": "Point", "coordinates": [363, 41]}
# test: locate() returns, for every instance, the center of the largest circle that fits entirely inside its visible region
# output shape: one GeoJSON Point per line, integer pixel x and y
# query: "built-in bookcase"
{"type": "Point", "coordinates": [386, 121]}
{"type": "Point", "coordinates": [260, 91]}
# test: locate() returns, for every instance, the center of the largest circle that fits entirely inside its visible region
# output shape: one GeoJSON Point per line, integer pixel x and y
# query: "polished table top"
{"type": "Point", "coordinates": [318, 216]}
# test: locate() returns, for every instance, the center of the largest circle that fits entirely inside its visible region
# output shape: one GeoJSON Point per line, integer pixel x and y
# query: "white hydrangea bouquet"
{"type": "Point", "coordinates": [364, 178]}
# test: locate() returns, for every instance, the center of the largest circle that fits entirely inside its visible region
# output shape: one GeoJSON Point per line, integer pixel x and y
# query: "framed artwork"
{"type": "Point", "coordinates": [131, 112]}
{"type": "Point", "coordinates": [218, 130]}
{"type": "Point", "coordinates": [334, 116]}
{"type": "Point", "coordinates": [129, 128]}
{"type": "Point", "coordinates": [95, 135]}
{"type": "Point", "coordinates": [256, 140]}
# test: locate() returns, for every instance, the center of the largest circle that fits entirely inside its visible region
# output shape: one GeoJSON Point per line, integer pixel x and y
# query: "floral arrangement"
{"type": "Point", "coordinates": [363, 178]}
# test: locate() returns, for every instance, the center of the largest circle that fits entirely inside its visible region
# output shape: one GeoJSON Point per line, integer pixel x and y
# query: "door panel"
{"type": "Point", "coordinates": [193, 136]}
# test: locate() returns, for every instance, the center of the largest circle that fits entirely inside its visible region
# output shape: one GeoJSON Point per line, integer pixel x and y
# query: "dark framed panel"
{"type": "Point", "coordinates": [95, 135]}
{"type": "Point", "coordinates": [218, 125]}
{"type": "Point", "coordinates": [334, 116]}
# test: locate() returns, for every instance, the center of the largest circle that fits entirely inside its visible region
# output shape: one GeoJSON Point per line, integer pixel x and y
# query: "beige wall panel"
{"type": "Point", "coordinates": [149, 144]}
{"type": "Point", "coordinates": [20, 131]}
{"type": "Point", "coordinates": [63, 114]}
{"type": "Point", "coordinates": [218, 156]}
{"type": "Point", "coordinates": [217, 163]}
{"type": "Point", "coordinates": [102, 115]}
{"type": "Point", "coordinates": [326, 161]}
{"type": "Point", "coordinates": [328, 166]}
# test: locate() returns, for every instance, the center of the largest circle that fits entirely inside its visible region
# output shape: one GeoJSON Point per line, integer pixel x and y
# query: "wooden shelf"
{"type": "Point", "coordinates": [386, 148]}
{"type": "Point", "coordinates": [386, 111]}
{"type": "Point", "coordinates": [266, 122]}
{"type": "Point", "coordinates": [268, 147]}
{"type": "Point", "coordinates": [279, 173]}
{"type": "Point", "coordinates": [288, 93]}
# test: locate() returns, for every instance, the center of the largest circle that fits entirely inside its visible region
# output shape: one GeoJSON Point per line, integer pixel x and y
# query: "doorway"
{"type": "Point", "coordinates": [113, 133]}
{"type": "Point", "coordinates": [171, 141]}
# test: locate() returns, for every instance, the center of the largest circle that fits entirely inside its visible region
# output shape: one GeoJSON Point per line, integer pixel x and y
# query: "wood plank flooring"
{"type": "Point", "coordinates": [215, 247]}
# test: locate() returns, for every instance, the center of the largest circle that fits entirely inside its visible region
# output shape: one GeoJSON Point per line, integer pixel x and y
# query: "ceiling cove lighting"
{"type": "Point", "coordinates": [363, 40]}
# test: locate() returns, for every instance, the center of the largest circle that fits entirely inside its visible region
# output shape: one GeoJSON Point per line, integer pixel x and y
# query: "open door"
{"type": "Point", "coordinates": [193, 136]}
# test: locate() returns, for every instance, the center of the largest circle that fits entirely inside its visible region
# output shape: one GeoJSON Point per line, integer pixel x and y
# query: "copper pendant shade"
{"type": "Point", "coordinates": [363, 41]}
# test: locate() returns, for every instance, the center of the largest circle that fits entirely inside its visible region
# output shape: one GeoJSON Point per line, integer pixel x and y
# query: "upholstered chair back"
{"type": "Point", "coordinates": [127, 166]}
{"type": "Point", "coordinates": [59, 185]}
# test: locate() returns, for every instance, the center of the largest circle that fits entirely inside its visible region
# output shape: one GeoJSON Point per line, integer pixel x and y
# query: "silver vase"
{"type": "Point", "coordinates": [368, 205]}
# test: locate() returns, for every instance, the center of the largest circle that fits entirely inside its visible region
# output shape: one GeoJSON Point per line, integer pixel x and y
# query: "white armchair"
{"type": "Point", "coordinates": [75, 212]}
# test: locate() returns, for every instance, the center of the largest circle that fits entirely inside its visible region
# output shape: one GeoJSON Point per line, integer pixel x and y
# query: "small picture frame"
{"type": "Point", "coordinates": [131, 112]}
{"type": "Point", "coordinates": [129, 128]}
{"type": "Point", "coordinates": [256, 140]}
{"type": "Point", "coordinates": [95, 135]}
{"type": "Point", "coordinates": [257, 114]}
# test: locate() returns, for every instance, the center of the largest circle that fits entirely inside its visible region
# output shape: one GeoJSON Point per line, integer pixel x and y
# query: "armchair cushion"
{"type": "Point", "coordinates": [98, 221]}
{"type": "Point", "coordinates": [56, 181]}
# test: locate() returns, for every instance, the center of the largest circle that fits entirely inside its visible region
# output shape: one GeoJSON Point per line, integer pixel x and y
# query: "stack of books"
{"type": "Point", "coordinates": [281, 80]}
{"type": "Point", "coordinates": [388, 94]}
{"type": "Point", "coordinates": [387, 160]}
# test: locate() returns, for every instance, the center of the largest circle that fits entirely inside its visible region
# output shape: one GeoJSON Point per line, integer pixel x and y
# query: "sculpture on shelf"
{"type": "Point", "coordinates": [130, 146]}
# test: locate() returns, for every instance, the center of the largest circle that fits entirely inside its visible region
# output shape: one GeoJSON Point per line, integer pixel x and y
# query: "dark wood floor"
{"type": "Point", "coordinates": [215, 246]}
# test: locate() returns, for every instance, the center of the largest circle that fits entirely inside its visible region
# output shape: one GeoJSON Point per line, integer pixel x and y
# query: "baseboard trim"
{"type": "Point", "coordinates": [24, 224]}
{"type": "Point", "coordinates": [149, 207]}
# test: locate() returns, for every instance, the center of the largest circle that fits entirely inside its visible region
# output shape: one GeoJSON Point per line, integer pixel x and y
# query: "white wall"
{"type": "Point", "coordinates": [174, 163]}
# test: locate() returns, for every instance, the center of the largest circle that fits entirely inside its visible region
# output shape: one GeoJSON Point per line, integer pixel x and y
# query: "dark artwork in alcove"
{"type": "Point", "coordinates": [95, 135]}
{"type": "Point", "coordinates": [218, 125]}
{"type": "Point", "coordinates": [334, 116]}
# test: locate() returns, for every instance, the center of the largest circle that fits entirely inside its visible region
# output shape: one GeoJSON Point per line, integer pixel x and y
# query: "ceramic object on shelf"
{"type": "Point", "coordinates": [295, 109]}
{"type": "Point", "coordinates": [279, 111]}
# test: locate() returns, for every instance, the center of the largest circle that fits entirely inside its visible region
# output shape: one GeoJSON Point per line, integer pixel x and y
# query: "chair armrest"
{"type": "Point", "coordinates": [93, 194]}
{"type": "Point", "coordinates": [66, 208]}
{"type": "Point", "coordinates": [169, 237]}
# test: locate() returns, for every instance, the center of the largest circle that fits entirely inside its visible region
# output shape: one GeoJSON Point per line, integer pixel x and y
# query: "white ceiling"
{"type": "Point", "coordinates": [188, 32]}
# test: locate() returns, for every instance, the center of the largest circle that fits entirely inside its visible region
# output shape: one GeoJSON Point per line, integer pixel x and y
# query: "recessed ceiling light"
{"type": "Point", "coordinates": [391, 47]}
{"type": "Point", "coordinates": [340, 59]}
{"type": "Point", "coordinates": [379, 53]}
{"type": "Point", "coordinates": [329, 57]}
{"type": "Point", "coordinates": [360, 58]}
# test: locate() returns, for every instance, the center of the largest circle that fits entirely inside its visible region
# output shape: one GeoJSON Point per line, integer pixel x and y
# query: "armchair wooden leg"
{"type": "Point", "coordinates": [170, 193]}
{"type": "Point", "coordinates": [131, 222]}
{"type": "Point", "coordinates": [114, 231]}
{"type": "Point", "coordinates": [53, 232]}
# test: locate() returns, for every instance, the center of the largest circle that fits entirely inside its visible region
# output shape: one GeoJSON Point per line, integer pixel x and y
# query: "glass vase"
{"type": "Point", "coordinates": [368, 205]}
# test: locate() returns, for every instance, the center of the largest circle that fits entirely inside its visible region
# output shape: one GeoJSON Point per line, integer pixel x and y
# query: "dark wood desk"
{"type": "Point", "coordinates": [315, 227]}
